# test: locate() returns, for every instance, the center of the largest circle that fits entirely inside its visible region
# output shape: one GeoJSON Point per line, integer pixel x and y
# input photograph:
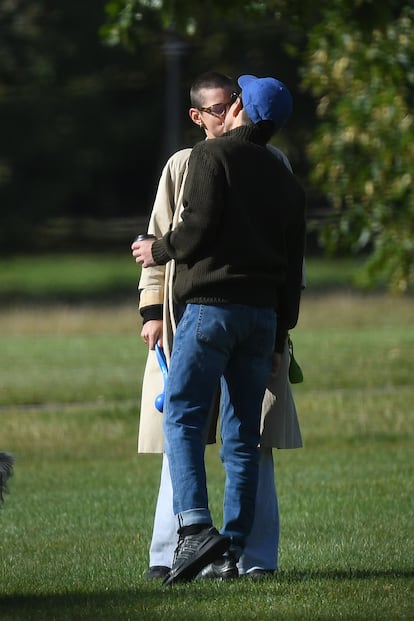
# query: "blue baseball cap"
{"type": "Point", "coordinates": [265, 99]}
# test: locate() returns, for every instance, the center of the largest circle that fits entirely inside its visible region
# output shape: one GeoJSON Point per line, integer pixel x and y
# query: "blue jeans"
{"type": "Point", "coordinates": [261, 551]}
{"type": "Point", "coordinates": [233, 343]}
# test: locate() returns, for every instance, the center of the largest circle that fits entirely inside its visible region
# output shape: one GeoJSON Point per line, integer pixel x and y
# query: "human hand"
{"type": "Point", "coordinates": [151, 333]}
{"type": "Point", "coordinates": [141, 251]}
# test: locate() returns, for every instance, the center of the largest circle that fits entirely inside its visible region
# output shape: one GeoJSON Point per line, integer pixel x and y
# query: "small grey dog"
{"type": "Point", "coordinates": [6, 471]}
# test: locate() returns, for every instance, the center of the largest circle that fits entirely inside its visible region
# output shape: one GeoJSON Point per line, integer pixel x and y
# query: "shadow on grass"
{"type": "Point", "coordinates": [156, 603]}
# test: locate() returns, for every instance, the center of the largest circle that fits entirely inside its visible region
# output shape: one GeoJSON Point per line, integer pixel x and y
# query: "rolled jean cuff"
{"type": "Point", "coordinates": [194, 516]}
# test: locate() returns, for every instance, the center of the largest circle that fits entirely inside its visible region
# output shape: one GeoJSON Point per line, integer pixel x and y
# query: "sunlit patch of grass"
{"type": "Point", "coordinates": [64, 319]}
{"type": "Point", "coordinates": [343, 309]}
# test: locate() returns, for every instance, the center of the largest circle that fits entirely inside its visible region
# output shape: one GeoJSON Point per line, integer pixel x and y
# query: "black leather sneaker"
{"type": "Point", "coordinates": [224, 568]}
{"type": "Point", "coordinates": [157, 572]}
{"type": "Point", "coordinates": [195, 552]}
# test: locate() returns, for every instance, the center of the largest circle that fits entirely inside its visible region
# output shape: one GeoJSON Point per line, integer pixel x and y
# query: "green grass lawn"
{"type": "Point", "coordinates": [76, 526]}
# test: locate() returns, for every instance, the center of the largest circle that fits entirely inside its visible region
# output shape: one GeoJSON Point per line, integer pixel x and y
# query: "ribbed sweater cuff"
{"type": "Point", "coordinates": [159, 252]}
{"type": "Point", "coordinates": [149, 313]}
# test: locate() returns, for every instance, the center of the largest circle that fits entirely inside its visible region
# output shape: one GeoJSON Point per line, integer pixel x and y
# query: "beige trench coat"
{"type": "Point", "coordinates": [279, 422]}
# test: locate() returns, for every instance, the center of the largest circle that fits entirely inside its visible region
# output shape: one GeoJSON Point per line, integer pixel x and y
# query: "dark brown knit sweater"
{"type": "Point", "coordinates": [242, 235]}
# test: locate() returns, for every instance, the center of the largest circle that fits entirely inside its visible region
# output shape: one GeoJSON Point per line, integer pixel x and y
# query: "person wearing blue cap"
{"type": "Point", "coordinates": [240, 284]}
{"type": "Point", "coordinates": [266, 99]}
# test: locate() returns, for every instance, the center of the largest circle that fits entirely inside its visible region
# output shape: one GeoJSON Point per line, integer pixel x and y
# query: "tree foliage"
{"type": "Point", "coordinates": [83, 117]}
{"type": "Point", "coordinates": [83, 124]}
{"type": "Point", "coordinates": [356, 59]}
{"type": "Point", "coordinates": [363, 148]}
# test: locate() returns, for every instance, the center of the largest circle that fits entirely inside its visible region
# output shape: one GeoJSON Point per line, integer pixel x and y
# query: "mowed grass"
{"type": "Point", "coordinates": [76, 526]}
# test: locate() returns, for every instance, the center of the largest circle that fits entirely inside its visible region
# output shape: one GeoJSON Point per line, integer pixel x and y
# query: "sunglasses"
{"type": "Point", "coordinates": [220, 109]}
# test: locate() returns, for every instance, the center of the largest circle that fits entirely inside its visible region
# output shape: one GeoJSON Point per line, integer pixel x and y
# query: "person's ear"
{"type": "Point", "coordinates": [195, 116]}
